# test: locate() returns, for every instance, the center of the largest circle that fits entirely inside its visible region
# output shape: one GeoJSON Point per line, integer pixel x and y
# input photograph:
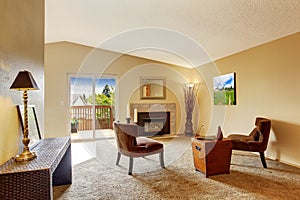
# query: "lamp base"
{"type": "Point", "coordinates": [25, 156]}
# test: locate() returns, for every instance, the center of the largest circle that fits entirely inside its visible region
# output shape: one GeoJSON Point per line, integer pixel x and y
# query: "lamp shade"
{"type": "Point", "coordinates": [24, 81]}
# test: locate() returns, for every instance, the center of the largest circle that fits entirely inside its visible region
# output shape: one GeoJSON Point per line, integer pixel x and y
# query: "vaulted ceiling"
{"type": "Point", "coordinates": [182, 32]}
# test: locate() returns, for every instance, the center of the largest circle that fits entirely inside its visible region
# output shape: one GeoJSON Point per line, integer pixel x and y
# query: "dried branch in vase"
{"type": "Point", "coordinates": [190, 94]}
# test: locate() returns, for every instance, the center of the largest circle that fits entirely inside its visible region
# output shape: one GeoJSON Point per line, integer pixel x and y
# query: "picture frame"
{"type": "Point", "coordinates": [33, 127]}
{"type": "Point", "coordinates": [152, 87]}
{"type": "Point", "coordinates": [225, 89]}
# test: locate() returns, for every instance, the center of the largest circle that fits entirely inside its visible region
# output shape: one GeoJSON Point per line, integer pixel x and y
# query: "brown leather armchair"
{"type": "Point", "coordinates": [129, 144]}
{"type": "Point", "coordinates": [256, 141]}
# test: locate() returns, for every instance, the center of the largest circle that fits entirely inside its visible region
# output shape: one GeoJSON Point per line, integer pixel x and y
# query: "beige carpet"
{"type": "Point", "coordinates": [100, 178]}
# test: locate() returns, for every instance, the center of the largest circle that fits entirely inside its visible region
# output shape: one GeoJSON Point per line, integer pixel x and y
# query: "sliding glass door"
{"type": "Point", "coordinates": [92, 104]}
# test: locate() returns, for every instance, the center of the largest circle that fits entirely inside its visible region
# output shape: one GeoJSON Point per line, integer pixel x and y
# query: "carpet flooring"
{"type": "Point", "coordinates": [100, 178]}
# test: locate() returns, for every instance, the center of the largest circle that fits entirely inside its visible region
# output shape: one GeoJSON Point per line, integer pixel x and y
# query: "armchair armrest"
{"type": "Point", "coordinates": [256, 143]}
{"type": "Point", "coordinates": [256, 146]}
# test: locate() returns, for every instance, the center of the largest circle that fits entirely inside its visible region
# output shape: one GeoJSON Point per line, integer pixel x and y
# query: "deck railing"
{"type": "Point", "coordinates": [104, 117]}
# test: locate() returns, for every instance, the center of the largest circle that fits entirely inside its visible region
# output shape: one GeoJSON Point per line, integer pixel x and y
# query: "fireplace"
{"type": "Point", "coordinates": [154, 123]}
{"type": "Point", "coordinates": [157, 110]}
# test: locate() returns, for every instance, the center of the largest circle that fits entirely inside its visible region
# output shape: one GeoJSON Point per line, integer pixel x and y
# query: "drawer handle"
{"type": "Point", "coordinates": [198, 148]}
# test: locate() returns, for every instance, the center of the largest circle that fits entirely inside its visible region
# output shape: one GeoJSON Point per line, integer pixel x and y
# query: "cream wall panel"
{"type": "Point", "coordinates": [267, 85]}
{"type": "Point", "coordinates": [21, 48]}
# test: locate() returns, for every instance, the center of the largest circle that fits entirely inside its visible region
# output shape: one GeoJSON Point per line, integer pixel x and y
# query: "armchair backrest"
{"type": "Point", "coordinates": [126, 135]}
{"type": "Point", "coordinates": [264, 127]}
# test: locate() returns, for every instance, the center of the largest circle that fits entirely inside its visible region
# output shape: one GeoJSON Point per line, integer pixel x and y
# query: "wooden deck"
{"type": "Point", "coordinates": [104, 117]}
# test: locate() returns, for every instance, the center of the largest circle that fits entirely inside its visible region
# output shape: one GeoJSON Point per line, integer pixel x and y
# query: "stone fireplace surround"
{"type": "Point", "coordinates": [157, 107]}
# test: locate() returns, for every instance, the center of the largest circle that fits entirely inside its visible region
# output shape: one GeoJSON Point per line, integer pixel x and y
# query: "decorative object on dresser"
{"type": "Point", "coordinates": [256, 141]}
{"type": "Point", "coordinates": [33, 126]}
{"type": "Point", "coordinates": [24, 82]}
{"type": "Point", "coordinates": [129, 144]}
{"type": "Point", "coordinates": [190, 95]}
{"type": "Point", "coordinates": [212, 157]}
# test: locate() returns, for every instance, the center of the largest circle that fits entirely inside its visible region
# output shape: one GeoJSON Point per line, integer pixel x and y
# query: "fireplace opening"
{"type": "Point", "coordinates": [154, 123]}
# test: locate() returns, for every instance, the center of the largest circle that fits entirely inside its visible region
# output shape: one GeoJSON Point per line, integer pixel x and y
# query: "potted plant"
{"type": "Point", "coordinates": [74, 125]}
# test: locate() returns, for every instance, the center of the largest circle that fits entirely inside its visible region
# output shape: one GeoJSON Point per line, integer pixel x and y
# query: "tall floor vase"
{"type": "Point", "coordinates": [190, 94]}
{"type": "Point", "coordinates": [189, 130]}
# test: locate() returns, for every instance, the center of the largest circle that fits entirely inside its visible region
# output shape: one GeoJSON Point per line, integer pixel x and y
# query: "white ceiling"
{"type": "Point", "coordinates": [182, 32]}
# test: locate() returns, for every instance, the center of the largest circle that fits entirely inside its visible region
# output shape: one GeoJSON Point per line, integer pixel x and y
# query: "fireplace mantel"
{"type": "Point", "coordinates": [157, 107]}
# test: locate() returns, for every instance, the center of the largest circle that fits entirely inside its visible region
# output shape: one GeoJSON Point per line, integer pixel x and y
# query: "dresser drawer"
{"type": "Point", "coordinates": [199, 156]}
{"type": "Point", "coordinates": [199, 150]}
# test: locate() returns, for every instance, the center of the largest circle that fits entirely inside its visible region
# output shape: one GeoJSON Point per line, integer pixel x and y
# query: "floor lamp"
{"type": "Point", "coordinates": [24, 82]}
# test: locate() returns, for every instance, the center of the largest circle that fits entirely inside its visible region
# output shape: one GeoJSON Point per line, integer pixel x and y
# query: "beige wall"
{"type": "Point", "coordinates": [267, 85]}
{"type": "Point", "coordinates": [21, 48]}
{"type": "Point", "coordinates": [66, 58]}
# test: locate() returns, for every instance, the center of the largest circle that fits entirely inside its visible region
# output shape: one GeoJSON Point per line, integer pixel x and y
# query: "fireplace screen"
{"type": "Point", "coordinates": [154, 123]}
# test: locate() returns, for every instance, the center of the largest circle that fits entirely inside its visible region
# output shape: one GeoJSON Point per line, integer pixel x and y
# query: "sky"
{"type": "Point", "coordinates": [85, 85]}
{"type": "Point", "coordinates": [224, 81]}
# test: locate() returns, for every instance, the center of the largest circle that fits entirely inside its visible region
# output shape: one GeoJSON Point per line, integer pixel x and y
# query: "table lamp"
{"type": "Point", "coordinates": [24, 82]}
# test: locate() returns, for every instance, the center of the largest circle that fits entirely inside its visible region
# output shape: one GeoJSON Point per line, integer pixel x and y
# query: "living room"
{"type": "Point", "coordinates": [267, 73]}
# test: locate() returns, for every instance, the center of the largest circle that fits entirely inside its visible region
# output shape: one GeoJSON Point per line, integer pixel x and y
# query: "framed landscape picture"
{"type": "Point", "coordinates": [33, 127]}
{"type": "Point", "coordinates": [225, 89]}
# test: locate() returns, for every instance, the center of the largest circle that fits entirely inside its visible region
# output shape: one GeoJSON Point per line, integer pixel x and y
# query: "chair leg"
{"type": "Point", "coordinates": [263, 160]}
{"type": "Point", "coordinates": [161, 159]}
{"type": "Point", "coordinates": [130, 166]}
{"type": "Point", "coordinates": [118, 158]}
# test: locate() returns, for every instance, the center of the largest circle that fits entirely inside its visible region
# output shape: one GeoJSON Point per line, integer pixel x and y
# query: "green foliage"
{"type": "Point", "coordinates": [101, 100]}
{"type": "Point", "coordinates": [106, 91]}
{"type": "Point", "coordinates": [224, 97]}
{"type": "Point", "coordinates": [74, 121]}
{"type": "Point", "coordinates": [106, 98]}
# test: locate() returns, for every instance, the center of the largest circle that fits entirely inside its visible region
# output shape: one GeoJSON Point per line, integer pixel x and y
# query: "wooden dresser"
{"type": "Point", "coordinates": [212, 156]}
{"type": "Point", "coordinates": [34, 179]}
